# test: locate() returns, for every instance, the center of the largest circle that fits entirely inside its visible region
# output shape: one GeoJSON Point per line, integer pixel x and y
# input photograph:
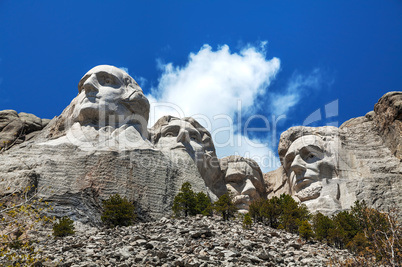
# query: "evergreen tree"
{"type": "Point", "coordinates": [185, 201]}
{"type": "Point", "coordinates": [257, 209]}
{"type": "Point", "coordinates": [292, 213]}
{"type": "Point", "coordinates": [305, 230]}
{"type": "Point", "coordinates": [321, 226]}
{"type": "Point", "coordinates": [203, 204]}
{"type": "Point", "coordinates": [225, 206]}
{"type": "Point", "coordinates": [273, 212]}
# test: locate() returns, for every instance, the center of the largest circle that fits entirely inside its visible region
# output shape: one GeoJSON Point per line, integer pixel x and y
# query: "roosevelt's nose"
{"type": "Point", "coordinates": [90, 84]}
{"type": "Point", "coordinates": [249, 189]}
{"type": "Point", "coordinates": [298, 164]}
{"type": "Point", "coordinates": [183, 136]}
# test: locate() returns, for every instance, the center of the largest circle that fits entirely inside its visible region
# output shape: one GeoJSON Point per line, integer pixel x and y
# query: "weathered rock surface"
{"type": "Point", "coordinates": [364, 161]}
{"type": "Point", "coordinates": [197, 241]}
{"type": "Point", "coordinates": [388, 120]}
{"type": "Point", "coordinates": [16, 128]}
{"type": "Point", "coordinates": [97, 147]}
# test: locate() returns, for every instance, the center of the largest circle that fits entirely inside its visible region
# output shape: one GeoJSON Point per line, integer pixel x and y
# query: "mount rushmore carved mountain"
{"type": "Point", "coordinates": [100, 145]}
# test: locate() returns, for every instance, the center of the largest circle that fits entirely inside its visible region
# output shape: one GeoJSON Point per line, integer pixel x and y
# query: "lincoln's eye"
{"type": "Point", "coordinates": [194, 137]}
{"type": "Point", "coordinates": [169, 134]}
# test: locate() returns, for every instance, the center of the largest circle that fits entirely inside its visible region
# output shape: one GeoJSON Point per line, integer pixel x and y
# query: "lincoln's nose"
{"type": "Point", "coordinates": [183, 136]}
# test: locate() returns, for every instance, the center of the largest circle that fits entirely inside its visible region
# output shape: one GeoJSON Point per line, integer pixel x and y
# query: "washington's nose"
{"type": "Point", "coordinates": [90, 84]}
{"type": "Point", "coordinates": [249, 188]}
{"type": "Point", "coordinates": [298, 164]}
{"type": "Point", "coordinates": [183, 136]}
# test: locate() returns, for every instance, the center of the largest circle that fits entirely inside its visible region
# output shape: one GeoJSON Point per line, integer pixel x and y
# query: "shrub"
{"type": "Point", "coordinates": [118, 211]}
{"type": "Point", "coordinates": [64, 227]}
{"type": "Point", "coordinates": [20, 213]}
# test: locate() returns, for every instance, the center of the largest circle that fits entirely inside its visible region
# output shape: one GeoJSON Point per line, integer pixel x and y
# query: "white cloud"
{"type": "Point", "coordinates": [213, 87]}
{"type": "Point", "coordinates": [298, 86]}
{"type": "Point", "coordinates": [141, 81]}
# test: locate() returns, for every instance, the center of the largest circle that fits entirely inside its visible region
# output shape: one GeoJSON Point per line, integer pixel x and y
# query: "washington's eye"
{"type": "Point", "coordinates": [311, 156]}
{"type": "Point", "coordinates": [108, 81]}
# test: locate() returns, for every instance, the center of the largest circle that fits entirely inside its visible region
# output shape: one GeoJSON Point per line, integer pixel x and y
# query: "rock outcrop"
{"type": "Point", "coordinates": [388, 121]}
{"type": "Point", "coordinates": [328, 168]}
{"type": "Point", "coordinates": [16, 128]}
{"type": "Point", "coordinates": [197, 241]}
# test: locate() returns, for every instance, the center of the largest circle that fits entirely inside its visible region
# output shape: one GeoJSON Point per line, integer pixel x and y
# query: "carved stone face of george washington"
{"type": "Point", "coordinates": [108, 96]}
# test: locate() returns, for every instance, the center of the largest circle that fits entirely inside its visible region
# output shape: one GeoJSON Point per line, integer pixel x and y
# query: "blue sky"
{"type": "Point", "coordinates": [285, 59]}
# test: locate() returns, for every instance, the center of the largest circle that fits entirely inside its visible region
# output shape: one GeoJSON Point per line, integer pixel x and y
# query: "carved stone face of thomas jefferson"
{"type": "Point", "coordinates": [308, 162]}
{"type": "Point", "coordinates": [109, 96]}
{"type": "Point", "coordinates": [180, 135]}
{"type": "Point", "coordinates": [185, 140]}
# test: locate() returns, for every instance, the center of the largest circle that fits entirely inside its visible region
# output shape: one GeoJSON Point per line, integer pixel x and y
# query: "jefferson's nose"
{"type": "Point", "coordinates": [298, 164]}
{"type": "Point", "coordinates": [90, 84]}
{"type": "Point", "coordinates": [183, 136]}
